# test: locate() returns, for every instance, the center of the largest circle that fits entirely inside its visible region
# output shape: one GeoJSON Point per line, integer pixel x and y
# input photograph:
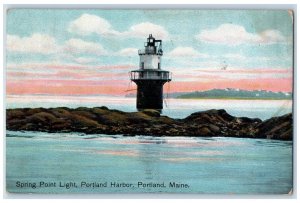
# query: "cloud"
{"type": "Point", "coordinates": [88, 24]}
{"type": "Point", "coordinates": [231, 34]}
{"type": "Point", "coordinates": [44, 44]}
{"type": "Point", "coordinates": [186, 52]}
{"type": "Point", "coordinates": [36, 43]}
{"type": "Point", "coordinates": [232, 73]}
{"type": "Point", "coordinates": [78, 46]}
{"type": "Point", "coordinates": [84, 60]}
{"type": "Point", "coordinates": [271, 37]}
{"type": "Point", "coordinates": [142, 30]}
{"type": "Point", "coordinates": [128, 52]}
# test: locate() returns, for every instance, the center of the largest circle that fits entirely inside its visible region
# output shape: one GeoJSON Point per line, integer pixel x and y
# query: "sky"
{"type": "Point", "coordinates": [90, 52]}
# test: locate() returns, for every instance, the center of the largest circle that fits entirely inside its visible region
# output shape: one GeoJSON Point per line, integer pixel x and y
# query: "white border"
{"type": "Point", "coordinates": [135, 4]}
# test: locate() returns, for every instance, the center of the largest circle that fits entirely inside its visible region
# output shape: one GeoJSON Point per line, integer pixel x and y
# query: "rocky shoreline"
{"type": "Point", "coordinates": [101, 120]}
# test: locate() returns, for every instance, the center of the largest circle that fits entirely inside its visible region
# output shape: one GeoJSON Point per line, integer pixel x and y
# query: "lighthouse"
{"type": "Point", "coordinates": [150, 78]}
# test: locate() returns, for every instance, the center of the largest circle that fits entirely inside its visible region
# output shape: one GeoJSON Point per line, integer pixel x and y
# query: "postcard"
{"type": "Point", "coordinates": [149, 101]}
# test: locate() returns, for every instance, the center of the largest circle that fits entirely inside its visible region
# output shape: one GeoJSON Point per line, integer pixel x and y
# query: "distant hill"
{"type": "Point", "coordinates": [236, 94]}
{"type": "Point", "coordinates": [226, 94]}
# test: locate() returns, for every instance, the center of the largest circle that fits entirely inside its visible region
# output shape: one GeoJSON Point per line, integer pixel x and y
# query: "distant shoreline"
{"type": "Point", "coordinates": [232, 98]}
{"type": "Point", "coordinates": [229, 93]}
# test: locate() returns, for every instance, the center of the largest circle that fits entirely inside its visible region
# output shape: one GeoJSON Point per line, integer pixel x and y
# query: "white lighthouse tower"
{"type": "Point", "coordinates": [150, 78]}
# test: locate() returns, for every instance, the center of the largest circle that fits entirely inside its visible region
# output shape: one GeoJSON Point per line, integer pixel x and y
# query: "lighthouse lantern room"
{"type": "Point", "coordinates": [150, 78]}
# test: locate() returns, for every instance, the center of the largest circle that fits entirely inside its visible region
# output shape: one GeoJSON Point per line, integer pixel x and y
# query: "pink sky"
{"type": "Point", "coordinates": [114, 80]}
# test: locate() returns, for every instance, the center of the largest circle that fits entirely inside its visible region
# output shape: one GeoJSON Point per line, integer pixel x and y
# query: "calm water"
{"type": "Point", "coordinates": [175, 108]}
{"type": "Point", "coordinates": [61, 163]}
{"type": "Point", "coordinates": [206, 165]}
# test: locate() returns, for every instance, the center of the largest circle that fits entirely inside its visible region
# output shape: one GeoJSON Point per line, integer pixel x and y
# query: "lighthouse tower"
{"type": "Point", "coordinates": [150, 78]}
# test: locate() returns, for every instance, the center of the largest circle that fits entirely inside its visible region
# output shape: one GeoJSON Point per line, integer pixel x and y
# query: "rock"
{"type": "Point", "coordinates": [277, 127]}
{"type": "Point", "coordinates": [101, 120]}
{"type": "Point", "coordinates": [173, 131]}
{"type": "Point", "coordinates": [214, 128]}
{"type": "Point", "coordinates": [151, 112]}
{"type": "Point", "coordinates": [204, 131]}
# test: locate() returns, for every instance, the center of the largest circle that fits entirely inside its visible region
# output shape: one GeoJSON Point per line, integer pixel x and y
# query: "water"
{"type": "Point", "coordinates": [204, 165]}
{"type": "Point", "coordinates": [65, 161]}
{"type": "Point", "coordinates": [175, 108]}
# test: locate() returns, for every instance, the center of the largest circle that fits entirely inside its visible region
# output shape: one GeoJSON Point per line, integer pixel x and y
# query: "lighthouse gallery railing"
{"type": "Point", "coordinates": [150, 75]}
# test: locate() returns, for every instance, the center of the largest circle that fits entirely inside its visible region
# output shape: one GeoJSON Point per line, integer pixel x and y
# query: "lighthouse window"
{"type": "Point", "coordinates": [158, 65]}
{"type": "Point", "coordinates": [142, 65]}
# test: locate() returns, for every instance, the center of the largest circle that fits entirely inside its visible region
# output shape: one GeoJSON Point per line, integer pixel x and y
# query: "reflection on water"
{"type": "Point", "coordinates": [116, 153]}
{"type": "Point", "coordinates": [188, 159]}
{"type": "Point", "coordinates": [207, 165]}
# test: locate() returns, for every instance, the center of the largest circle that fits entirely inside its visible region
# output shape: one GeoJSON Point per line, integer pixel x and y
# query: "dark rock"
{"type": "Point", "coordinates": [277, 127]}
{"type": "Point", "coordinates": [151, 112]}
{"type": "Point", "coordinates": [214, 128]}
{"type": "Point", "coordinates": [204, 131]}
{"type": "Point", "coordinates": [102, 120]}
